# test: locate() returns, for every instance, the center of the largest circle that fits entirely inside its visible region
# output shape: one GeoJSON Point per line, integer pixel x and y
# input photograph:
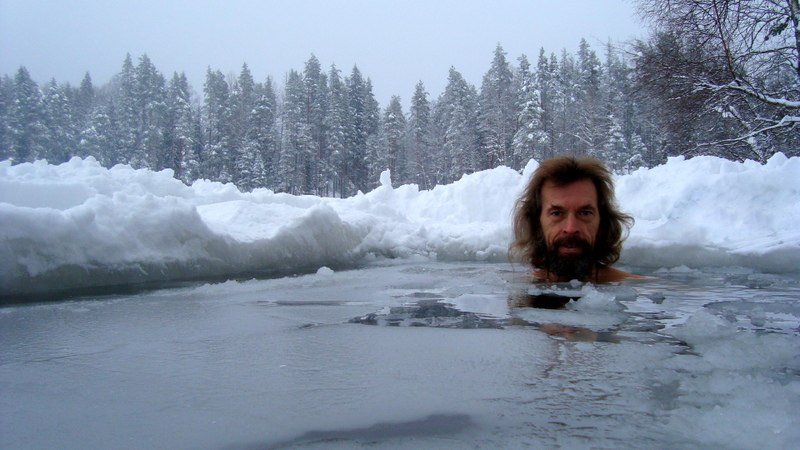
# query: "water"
{"type": "Point", "coordinates": [410, 355]}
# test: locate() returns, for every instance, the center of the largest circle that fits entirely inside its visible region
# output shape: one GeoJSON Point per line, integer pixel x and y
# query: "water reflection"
{"type": "Point", "coordinates": [431, 310]}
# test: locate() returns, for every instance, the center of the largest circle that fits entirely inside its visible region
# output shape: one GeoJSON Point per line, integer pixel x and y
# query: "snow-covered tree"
{"type": "Point", "coordinates": [27, 129]}
{"type": "Point", "coordinates": [219, 162]}
{"type": "Point", "coordinates": [497, 119]}
{"type": "Point", "coordinates": [101, 136]}
{"type": "Point", "coordinates": [179, 130]}
{"type": "Point", "coordinates": [338, 125]}
{"type": "Point", "coordinates": [61, 138]}
{"type": "Point", "coordinates": [6, 100]}
{"type": "Point", "coordinates": [530, 138]}
{"type": "Point", "coordinates": [297, 147]}
{"type": "Point", "coordinates": [732, 66]}
{"type": "Point", "coordinates": [150, 101]}
{"type": "Point", "coordinates": [456, 116]}
{"type": "Point", "coordinates": [590, 123]}
{"type": "Point", "coordinates": [419, 148]}
{"type": "Point", "coordinates": [365, 118]}
{"type": "Point", "coordinates": [393, 151]}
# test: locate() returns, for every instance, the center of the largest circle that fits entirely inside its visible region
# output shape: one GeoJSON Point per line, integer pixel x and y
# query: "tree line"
{"type": "Point", "coordinates": [719, 78]}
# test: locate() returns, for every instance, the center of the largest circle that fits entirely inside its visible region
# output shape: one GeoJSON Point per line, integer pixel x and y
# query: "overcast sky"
{"type": "Point", "coordinates": [395, 43]}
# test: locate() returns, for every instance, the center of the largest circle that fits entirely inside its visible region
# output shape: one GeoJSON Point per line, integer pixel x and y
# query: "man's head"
{"type": "Point", "coordinates": [567, 221]}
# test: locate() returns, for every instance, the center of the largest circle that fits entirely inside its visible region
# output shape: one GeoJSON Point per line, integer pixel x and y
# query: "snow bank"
{"type": "Point", "coordinates": [79, 225]}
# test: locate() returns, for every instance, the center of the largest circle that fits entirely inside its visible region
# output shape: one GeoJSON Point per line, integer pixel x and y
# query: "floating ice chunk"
{"type": "Point", "coordinates": [325, 271]}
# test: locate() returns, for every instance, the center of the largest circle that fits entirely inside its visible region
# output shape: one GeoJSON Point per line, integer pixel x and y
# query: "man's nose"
{"type": "Point", "coordinates": [571, 224]}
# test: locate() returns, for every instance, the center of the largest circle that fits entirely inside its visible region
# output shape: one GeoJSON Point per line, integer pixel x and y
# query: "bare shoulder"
{"type": "Point", "coordinates": [612, 274]}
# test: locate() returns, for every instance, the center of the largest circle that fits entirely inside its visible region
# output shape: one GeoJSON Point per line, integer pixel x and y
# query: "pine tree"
{"type": "Point", "coordinates": [126, 115]}
{"type": "Point", "coordinates": [566, 107]}
{"type": "Point", "coordinates": [419, 148]}
{"type": "Point", "coordinates": [591, 125]}
{"type": "Point", "coordinates": [372, 122]}
{"type": "Point", "coordinates": [84, 103]}
{"type": "Point", "coordinates": [219, 161]}
{"type": "Point", "coordinates": [178, 127]}
{"type": "Point", "coordinates": [530, 138]}
{"type": "Point", "coordinates": [60, 139]}
{"type": "Point", "coordinates": [6, 100]}
{"type": "Point", "coordinates": [26, 122]}
{"type": "Point", "coordinates": [547, 92]}
{"type": "Point", "coordinates": [455, 114]}
{"type": "Point", "coordinates": [102, 135]}
{"type": "Point", "coordinates": [338, 127]}
{"type": "Point", "coordinates": [151, 109]}
{"type": "Point", "coordinates": [297, 145]}
{"type": "Point", "coordinates": [364, 124]}
{"type": "Point", "coordinates": [263, 136]}
{"type": "Point", "coordinates": [393, 151]}
{"type": "Point", "coordinates": [315, 83]}
{"type": "Point", "coordinates": [249, 166]}
{"type": "Point", "coordinates": [497, 114]}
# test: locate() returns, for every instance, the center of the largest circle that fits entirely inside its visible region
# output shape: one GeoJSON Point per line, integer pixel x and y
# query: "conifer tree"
{"type": "Point", "coordinates": [373, 126]}
{"type": "Point", "coordinates": [150, 95]}
{"type": "Point", "coordinates": [591, 124]}
{"type": "Point", "coordinates": [84, 102]}
{"type": "Point", "coordinates": [530, 138]}
{"type": "Point", "coordinates": [316, 108]}
{"type": "Point", "coordinates": [364, 124]}
{"type": "Point", "coordinates": [61, 138]}
{"type": "Point", "coordinates": [126, 117]}
{"type": "Point", "coordinates": [420, 158]}
{"type": "Point", "coordinates": [338, 128]}
{"type": "Point", "coordinates": [297, 146]}
{"type": "Point", "coordinates": [179, 127]}
{"type": "Point", "coordinates": [393, 155]}
{"type": "Point", "coordinates": [248, 163]}
{"type": "Point", "coordinates": [219, 161]}
{"type": "Point", "coordinates": [26, 120]}
{"type": "Point", "coordinates": [102, 135]}
{"type": "Point", "coordinates": [263, 135]}
{"type": "Point", "coordinates": [497, 114]}
{"type": "Point", "coordinates": [547, 89]}
{"type": "Point", "coordinates": [6, 100]}
{"type": "Point", "coordinates": [456, 116]}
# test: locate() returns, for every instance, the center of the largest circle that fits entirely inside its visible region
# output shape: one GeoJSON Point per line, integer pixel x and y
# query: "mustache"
{"type": "Point", "coordinates": [572, 241]}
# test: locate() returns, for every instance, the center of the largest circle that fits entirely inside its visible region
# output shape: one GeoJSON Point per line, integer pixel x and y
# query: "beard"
{"type": "Point", "coordinates": [570, 266]}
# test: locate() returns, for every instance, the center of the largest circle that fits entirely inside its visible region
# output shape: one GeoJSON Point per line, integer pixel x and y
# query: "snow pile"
{"type": "Point", "coordinates": [78, 224]}
{"type": "Point", "coordinates": [708, 211]}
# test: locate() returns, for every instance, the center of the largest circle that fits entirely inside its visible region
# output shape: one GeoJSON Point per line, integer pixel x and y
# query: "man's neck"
{"type": "Point", "coordinates": [546, 276]}
{"type": "Point", "coordinates": [599, 274]}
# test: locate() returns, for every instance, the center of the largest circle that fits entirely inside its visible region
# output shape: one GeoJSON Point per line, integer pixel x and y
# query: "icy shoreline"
{"type": "Point", "coordinates": [78, 224]}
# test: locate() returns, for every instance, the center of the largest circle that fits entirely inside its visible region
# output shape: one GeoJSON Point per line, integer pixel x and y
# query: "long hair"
{"type": "Point", "coordinates": [529, 243]}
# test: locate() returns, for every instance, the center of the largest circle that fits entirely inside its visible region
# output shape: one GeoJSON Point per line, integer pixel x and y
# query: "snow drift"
{"type": "Point", "coordinates": [78, 224]}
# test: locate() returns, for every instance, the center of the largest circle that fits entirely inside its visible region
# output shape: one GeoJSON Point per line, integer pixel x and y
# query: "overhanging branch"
{"type": "Point", "coordinates": [775, 101]}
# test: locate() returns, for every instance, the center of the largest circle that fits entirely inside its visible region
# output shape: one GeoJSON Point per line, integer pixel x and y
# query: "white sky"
{"type": "Point", "coordinates": [395, 43]}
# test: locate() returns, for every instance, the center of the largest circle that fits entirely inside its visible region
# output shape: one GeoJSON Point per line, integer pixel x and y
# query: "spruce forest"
{"type": "Point", "coordinates": [721, 80]}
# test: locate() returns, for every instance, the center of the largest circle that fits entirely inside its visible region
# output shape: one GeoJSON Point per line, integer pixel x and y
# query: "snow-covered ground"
{"type": "Point", "coordinates": [80, 225]}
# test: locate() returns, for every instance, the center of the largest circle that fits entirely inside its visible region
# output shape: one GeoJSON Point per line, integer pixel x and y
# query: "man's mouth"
{"type": "Point", "coordinates": [571, 246]}
{"type": "Point", "coordinates": [569, 249]}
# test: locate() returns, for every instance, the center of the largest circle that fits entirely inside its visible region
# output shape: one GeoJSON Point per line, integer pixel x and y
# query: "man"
{"type": "Point", "coordinates": [567, 224]}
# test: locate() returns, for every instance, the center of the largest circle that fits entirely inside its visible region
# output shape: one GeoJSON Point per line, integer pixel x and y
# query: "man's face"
{"type": "Point", "coordinates": [570, 221]}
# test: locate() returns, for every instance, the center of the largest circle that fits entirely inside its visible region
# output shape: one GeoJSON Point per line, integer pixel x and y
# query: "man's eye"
{"type": "Point", "coordinates": [555, 213]}
{"type": "Point", "coordinates": [587, 213]}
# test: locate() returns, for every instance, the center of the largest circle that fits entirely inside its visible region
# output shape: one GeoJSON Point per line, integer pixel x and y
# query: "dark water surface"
{"type": "Point", "coordinates": [412, 355]}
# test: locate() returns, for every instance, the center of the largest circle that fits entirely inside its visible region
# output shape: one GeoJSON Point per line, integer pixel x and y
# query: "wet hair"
{"type": "Point", "coordinates": [529, 242]}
